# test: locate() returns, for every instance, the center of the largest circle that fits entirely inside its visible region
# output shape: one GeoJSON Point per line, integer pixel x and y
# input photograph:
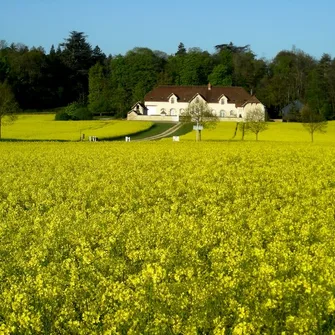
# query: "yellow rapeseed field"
{"type": "Point", "coordinates": [167, 238]}
{"type": "Point", "coordinates": [43, 127]}
{"type": "Point", "coordinates": [277, 131]}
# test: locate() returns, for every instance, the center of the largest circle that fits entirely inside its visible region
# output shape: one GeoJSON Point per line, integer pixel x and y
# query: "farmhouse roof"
{"type": "Point", "coordinates": [234, 94]}
{"type": "Point", "coordinates": [140, 104]}
{"type": "Point", "coordinates": [252, 100]}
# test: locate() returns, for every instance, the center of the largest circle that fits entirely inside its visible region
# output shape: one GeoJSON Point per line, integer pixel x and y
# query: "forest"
{"type": "Point", "coordinates": [75, 71]}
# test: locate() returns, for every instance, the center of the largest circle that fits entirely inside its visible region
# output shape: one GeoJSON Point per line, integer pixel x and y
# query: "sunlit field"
{"type": "Point", "coordinates": [277, 131]}
{"type": "Point", "coordinates": [43, 127]}
{"type": "Point", "coordinates": [167, 238]}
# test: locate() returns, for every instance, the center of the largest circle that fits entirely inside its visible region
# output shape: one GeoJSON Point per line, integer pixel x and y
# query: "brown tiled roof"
{"type": "Point", "coordinates": [252, 100]}
{"type": "Point", "coordinates": [236, 95]}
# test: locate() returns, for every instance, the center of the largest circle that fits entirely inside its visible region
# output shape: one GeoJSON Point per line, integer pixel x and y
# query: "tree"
{"type": "Point", "coordinates": [181, 49]}
{"type": "Point", "coordinates": [255, 121]}
{"type": "Point", "coordinates": [196, 66]}
{"type": "Point", "coordinates": [99, 101]}
{"type": "Point", "coordinates": [77, 52]}
{"type": "Point", "coordinates": [199, 113]}
{"type": "Point", "coordinates": [8, 105]}
{"type": "Point", "coordinates": [313, 121]}
{"type": "Point", "coordinates": [287, 79]}
{"type": "Point", "coordinates": [78, 56]}
{"type": "Point", "coordinates": [233, 48]}
{"type": "Point", "coordinates": [134, 75]}
{"type": "Point", "coordinates": [52, 51]}
{"type": "Point", "coordinates": [28, 78]}
{"type": "Point", "coordinates": [98, 55]}
{"type": "Point", "coordinates": [321, 87]}
{"type": "Point", "coordinates": [220, 76]}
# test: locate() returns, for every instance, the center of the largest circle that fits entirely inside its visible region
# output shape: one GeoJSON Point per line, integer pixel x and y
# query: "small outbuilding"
{"type": "Point", "coordinates": [291, 112]}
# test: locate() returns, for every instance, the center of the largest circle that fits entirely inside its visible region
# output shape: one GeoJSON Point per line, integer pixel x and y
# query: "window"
{"type": "Point", "coordinates": [197, 100]}
{"type": "Point", "coordinates": [232, 113]}
{"type": "Point", "coordinates": [222, 101]}
{"type": "Point", "coordinates": [172, 100]}
{"type": "Point", "coordinates": [163, 111]}
{"type": "Point", "coordinates": [173, 111]}
{"type": "Point", "coordinates": [222, 113]}
{"type": "Point", "coordinates": [181, 111]}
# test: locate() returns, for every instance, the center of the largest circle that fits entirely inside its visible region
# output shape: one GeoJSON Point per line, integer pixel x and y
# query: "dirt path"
{"type": "Point", "coordinates": [161, 135]}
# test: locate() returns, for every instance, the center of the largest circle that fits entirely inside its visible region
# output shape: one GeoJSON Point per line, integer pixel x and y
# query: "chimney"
{"type": "Point", "coordinates": [209, 86]}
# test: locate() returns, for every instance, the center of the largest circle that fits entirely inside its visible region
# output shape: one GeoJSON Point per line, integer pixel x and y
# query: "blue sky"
{"type": "Point", "coordinates": [118, 26]}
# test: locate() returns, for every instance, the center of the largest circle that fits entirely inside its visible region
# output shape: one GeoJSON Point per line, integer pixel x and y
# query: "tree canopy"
{"type": "Point", "coordinates": [255, 121]}
{"type": "Point", "coordinates": [313, 121]}
{"type": "Point", "coordinates": [48, 80]}
{"type": "Point", "coordinates": [8, 105]}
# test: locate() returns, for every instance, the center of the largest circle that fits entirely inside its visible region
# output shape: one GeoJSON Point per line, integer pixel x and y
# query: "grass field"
{"type": "Point", "coordinates": [43, 127]}
{"type": "Point", "coordinates": [277, 131]}
{"type": "Point", "coordinates": [167, 238]}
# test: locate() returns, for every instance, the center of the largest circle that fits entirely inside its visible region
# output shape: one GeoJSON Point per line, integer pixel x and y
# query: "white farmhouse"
{"type": "Point", "coordinates": [166, 103]}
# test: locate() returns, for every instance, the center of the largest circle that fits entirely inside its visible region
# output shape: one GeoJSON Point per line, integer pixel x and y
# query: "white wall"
{"type": "Point", "coordinates": [167, 118]}
{"type": "Point", "coordinates": [173, 110]}
{"type": "Point", "coordinates": [152, 109]}
{"type": "Point", "coordinates": [229, 109]}
{"type": "Point", "coordinates": [250, 107]}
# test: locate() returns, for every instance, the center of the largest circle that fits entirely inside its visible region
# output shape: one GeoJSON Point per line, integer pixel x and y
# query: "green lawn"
{"type": "Point", "coordinates": [43, 127]}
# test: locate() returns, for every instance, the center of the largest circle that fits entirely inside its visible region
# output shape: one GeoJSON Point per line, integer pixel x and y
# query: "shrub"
{"type": "Point", "coordinates": [62, 116]}
{"type": "Point", "coordinates": [74, 111]}
{"type": "Point", "coordinates": [81, 113]}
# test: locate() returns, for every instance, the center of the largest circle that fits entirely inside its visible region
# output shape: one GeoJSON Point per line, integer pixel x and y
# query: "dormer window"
{"type": "Point", "coordinates": [197, 100]}
{"type": "Point", "coordinates": [172, 100]}
{"type": "Point", "coordinates": [222, 101]}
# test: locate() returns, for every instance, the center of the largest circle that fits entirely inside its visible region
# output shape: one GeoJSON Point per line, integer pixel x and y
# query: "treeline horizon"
{"type": "Point", "coordinates": [77, 72]}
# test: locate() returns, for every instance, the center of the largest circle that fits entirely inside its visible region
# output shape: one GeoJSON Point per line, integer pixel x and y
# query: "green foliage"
{"type": "Point", "coordinates": [313, 121]}
{"type": "Point", "coordinates": [132, 76]}
{"type": "Point", "coordinates": [99, 101]}
{"type": "Point", "coordinates": [220, 76]}
{"type": "Point", "coordinates": [181, 50]}
{"type": "Point", "coordinates": [43, 81]}
{"type": "Point", "coordinates": [196, 66]}
{"type": "Point", "coordinates": [75, 112]}
{"type": "Point", "coordinates": [8, 106]}
{"type": "Point", "coordinates": [255, 122]}
{"type": "Point", "coordinates": [288, 78]}
{"type": "Point", "coordinates": [320, 89]}
{"type": "Point", "coordinates": [248, 71]}
{"type": "Point", "coordinates": [80, 113]}
{"type": "Point", "coordinates": [62, 115]}
{"type": "Point", "coordinates": [77, 53]}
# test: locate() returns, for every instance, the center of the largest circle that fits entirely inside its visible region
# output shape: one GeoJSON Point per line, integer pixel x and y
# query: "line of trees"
{"type": "Point", "coordinates": [77, 72]}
